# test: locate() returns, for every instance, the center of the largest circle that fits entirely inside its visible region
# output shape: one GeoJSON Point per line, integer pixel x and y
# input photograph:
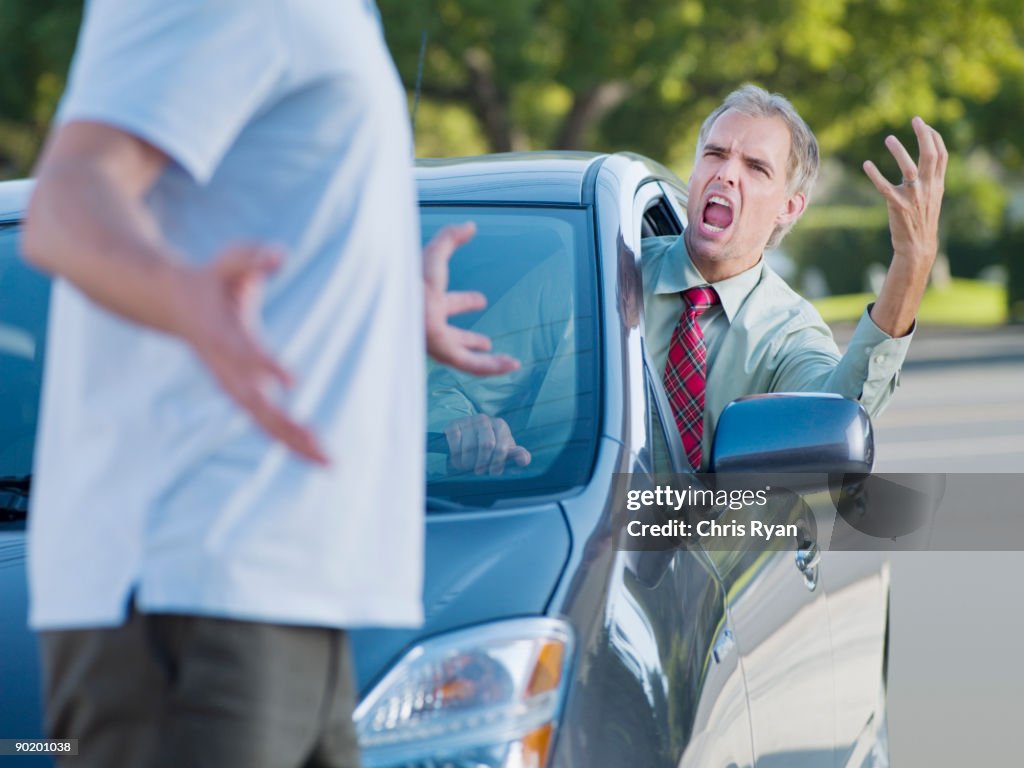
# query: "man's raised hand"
{"type": "Point", "coordinates": [462, 349]}
{"type": "Point", "coordinates": [915, 202]}
{"type": "Point", "coordinates": [914, 205]}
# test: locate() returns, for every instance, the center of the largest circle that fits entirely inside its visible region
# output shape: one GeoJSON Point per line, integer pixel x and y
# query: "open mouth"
{"type": "Point", "coordinates": [717, 214]}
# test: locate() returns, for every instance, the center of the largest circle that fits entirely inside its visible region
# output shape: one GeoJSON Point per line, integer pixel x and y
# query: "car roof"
{"type": "Point", "coordinates": [555, 178]}
{"type": "Point", "coordinates": [14, 198]}
{"type": "Point", "coordinates": [535, 177]}
{"type": "Point", "coordinates": [547, 178]}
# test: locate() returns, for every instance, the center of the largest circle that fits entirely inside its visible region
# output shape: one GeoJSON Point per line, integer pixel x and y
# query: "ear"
{"type": "Point", "coordinates": [792, 210]}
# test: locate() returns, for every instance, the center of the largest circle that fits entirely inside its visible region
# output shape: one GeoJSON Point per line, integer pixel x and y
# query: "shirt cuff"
{"type": "Point", "coordinates": [879, 357]}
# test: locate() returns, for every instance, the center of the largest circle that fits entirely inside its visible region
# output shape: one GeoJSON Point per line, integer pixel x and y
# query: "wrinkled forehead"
{"type": "Point", "coordinates": [766, 137]}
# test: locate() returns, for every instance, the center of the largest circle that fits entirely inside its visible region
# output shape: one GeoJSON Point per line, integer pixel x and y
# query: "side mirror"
{"type": "Point", "coordinates": [798, 433]}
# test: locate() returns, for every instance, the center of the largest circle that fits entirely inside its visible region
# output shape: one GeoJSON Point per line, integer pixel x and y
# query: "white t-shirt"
{"type": "Point", "coordinates": [286, 123]}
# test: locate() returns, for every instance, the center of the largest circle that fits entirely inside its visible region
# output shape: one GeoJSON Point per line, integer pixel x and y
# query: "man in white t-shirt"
{"type": "Point", "coordinates": [228, 470]}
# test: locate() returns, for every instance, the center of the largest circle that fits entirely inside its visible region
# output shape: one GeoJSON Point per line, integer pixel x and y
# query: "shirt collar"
{"type": "Point", "coordinates": [677, 273]}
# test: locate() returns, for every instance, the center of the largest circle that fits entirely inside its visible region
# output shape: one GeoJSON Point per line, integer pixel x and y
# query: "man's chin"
{"type": "Point", "coordinates": [702, 248]}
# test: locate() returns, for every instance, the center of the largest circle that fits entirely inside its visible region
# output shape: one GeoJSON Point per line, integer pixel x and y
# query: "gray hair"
{"type": "Point", "coordinates": [802, 168]}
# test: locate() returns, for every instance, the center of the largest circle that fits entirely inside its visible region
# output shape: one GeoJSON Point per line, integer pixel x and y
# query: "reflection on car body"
{"type": "Point", "coordinates": [548, 641]}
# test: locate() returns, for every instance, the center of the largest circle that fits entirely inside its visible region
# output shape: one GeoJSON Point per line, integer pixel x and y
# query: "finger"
{"type": "Point", "coordinates": [455, 235]}
{"type": "Point", "coordinates": [520, 456]}
{"type": "Point", "coordinates": [264, 366]}
{"type": "Point", "coordinates": [903, 160]}
{"type": "Point", "coordinates": [458, 302]}
{"type": "Point", "coordinates": [238, 260]}
{"type": "Point", "coordinates": [486, 442]}
{"type": "Point", "coordinates": [482, 365]}
{"type": "Point", "coordinates": [880, 182]}
{"type": "Point", "coordinates": [235, 354]}
{"type": "Point", "coordinates": [468, 449]}
{"type": "Point", "coordinates": [441, 247]}
{"type": "Point", "coordinates": [470, 339]}
{"type": "Point", "coordinates": [503, 444]}
{"type": "Point", "coordinates": [453, 433]}
{"type": "Point", "coordinates": [926, 143]}
{"type": "Point", "coordinates": [943, 158]}
{"type": "Point", "coordinates": [279, 425]}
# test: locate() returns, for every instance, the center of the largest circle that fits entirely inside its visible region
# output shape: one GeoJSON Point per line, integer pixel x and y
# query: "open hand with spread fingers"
{"type": "Point", "coordinates": [219, 310]}
{"type": "Point", "coordinates": [466, 350]}
{"type": "Point", "coordinates": [914, 205]}
{"type": "Point", "coordinates": [915, 202]}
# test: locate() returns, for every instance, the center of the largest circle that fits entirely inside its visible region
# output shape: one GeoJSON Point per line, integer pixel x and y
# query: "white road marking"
{"type": "Point", "coordinates": [959, 446]}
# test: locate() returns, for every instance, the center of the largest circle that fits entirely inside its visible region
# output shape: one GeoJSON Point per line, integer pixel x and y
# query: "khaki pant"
{"type": "Point", "coordinates": [167, 691]}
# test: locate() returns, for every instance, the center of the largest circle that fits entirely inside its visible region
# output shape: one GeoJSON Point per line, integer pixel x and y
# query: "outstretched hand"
{"type": "Point", "coordinates": [220, 319]}
{"type": "Point", "coordinates": [915, 202]}
{"type": "Point", "coordinates": [462, 349]}
{"type": "Point", "coordinates": [914, 205]}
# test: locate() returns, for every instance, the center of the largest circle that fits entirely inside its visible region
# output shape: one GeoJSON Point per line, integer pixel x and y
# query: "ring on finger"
{"type": "Point", "coordinates": [910, 182]}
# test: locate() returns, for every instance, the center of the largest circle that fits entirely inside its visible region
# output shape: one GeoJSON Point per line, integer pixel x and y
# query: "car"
{"type": "Point", "coordinates": [553, 636]}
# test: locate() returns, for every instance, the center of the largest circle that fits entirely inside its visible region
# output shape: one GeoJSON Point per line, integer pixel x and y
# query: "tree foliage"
{"type": "Point", "coordinates": [640, 74]}
{"type": "Point", "coordinates": [36, 41]}
{"type": "Point", "coordinates": [606, 75]}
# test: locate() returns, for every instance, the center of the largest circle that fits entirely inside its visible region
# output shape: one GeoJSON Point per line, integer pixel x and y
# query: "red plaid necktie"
{"type": "Point", "coordinates": [686, 370]}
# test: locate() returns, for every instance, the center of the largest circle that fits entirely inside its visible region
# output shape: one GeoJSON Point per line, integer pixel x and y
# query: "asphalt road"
{"type": "Point", "coordinates": [956, 688]}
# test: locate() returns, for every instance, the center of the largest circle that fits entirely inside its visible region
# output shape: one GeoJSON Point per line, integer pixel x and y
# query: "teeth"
{"type": "Point", "coordinates": [713, 228]}
{"type": "Point", "coordinates": [720, 201]}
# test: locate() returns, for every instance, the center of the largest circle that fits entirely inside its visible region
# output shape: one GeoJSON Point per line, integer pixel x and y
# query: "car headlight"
{"type": "Point", "coordinates": [485, 697]}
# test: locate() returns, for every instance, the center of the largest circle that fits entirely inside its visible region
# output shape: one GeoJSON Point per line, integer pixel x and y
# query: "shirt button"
{"type": "Point", "coordinates": [879, 359]}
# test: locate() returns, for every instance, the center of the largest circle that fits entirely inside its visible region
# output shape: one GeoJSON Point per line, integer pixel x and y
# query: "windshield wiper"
{"type": "Point", "coordinates": [21, 484]}
{"type": "Point", "coordinates": [439, 504]}
{"type": "Point", "coordinates": [14, 493]}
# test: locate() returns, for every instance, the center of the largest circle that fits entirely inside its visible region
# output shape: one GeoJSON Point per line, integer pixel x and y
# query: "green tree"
{"type": "Point", "coordinates": [610, 74]}
{"type": "Point", "coordinates": [606, 75]}
{"type": "Point", "coordinates": [36, 41]}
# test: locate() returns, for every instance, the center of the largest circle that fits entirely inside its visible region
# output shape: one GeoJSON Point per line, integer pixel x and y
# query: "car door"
{"type": "Point", "coordinates": [857, 586]}
{"type": "Point", "coordinates": [779, 614]}
{"type": "Point", "coordinates": [720, 735]}
{"type": "Point", "coordinates": [657, 681]}
{"type": "Point", "coordinates": [718, 722]}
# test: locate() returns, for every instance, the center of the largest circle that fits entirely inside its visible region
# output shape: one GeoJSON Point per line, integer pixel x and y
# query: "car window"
{"type": "Point", "coordinates": [24, 302]}
{"type": "Point", "coordinates": [536, 266]}
{"type": "Point", "coordinates": [659, 219]}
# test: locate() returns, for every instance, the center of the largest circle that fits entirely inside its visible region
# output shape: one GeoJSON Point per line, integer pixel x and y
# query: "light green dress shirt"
{"type": "Point", "coordinates": [764, 337]}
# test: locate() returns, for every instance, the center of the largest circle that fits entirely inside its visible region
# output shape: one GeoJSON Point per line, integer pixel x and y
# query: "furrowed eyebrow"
{"type": "Point", "coordinates": [759, 163]}
{"type": "Point", "coordinates": [756, 162]}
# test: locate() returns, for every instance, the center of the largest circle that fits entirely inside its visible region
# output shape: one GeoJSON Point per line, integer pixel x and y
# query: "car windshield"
{"type": "Point", "coordinates": [24, 299]}
{"type": "Point", "coordinates": [536, 266]}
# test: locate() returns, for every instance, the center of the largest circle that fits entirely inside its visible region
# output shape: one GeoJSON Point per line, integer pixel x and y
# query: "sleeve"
{"type": "Point", "coordinates": [868, 372]}
{"type": "Point", "coordinates": [186, 76]}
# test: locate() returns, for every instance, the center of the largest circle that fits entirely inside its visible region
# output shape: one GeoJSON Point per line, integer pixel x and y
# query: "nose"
{"type": "Point", "coordinates": [728, 170]}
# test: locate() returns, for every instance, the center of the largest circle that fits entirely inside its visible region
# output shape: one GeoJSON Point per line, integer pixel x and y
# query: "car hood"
{"type": "Point", "coordinates": [480, 566]}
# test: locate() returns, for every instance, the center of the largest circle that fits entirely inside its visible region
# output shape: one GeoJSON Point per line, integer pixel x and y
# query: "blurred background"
{"type": "Point", "coordinates": [606, 75]}
{"type": "Point", "coordinates": [640, 75]}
